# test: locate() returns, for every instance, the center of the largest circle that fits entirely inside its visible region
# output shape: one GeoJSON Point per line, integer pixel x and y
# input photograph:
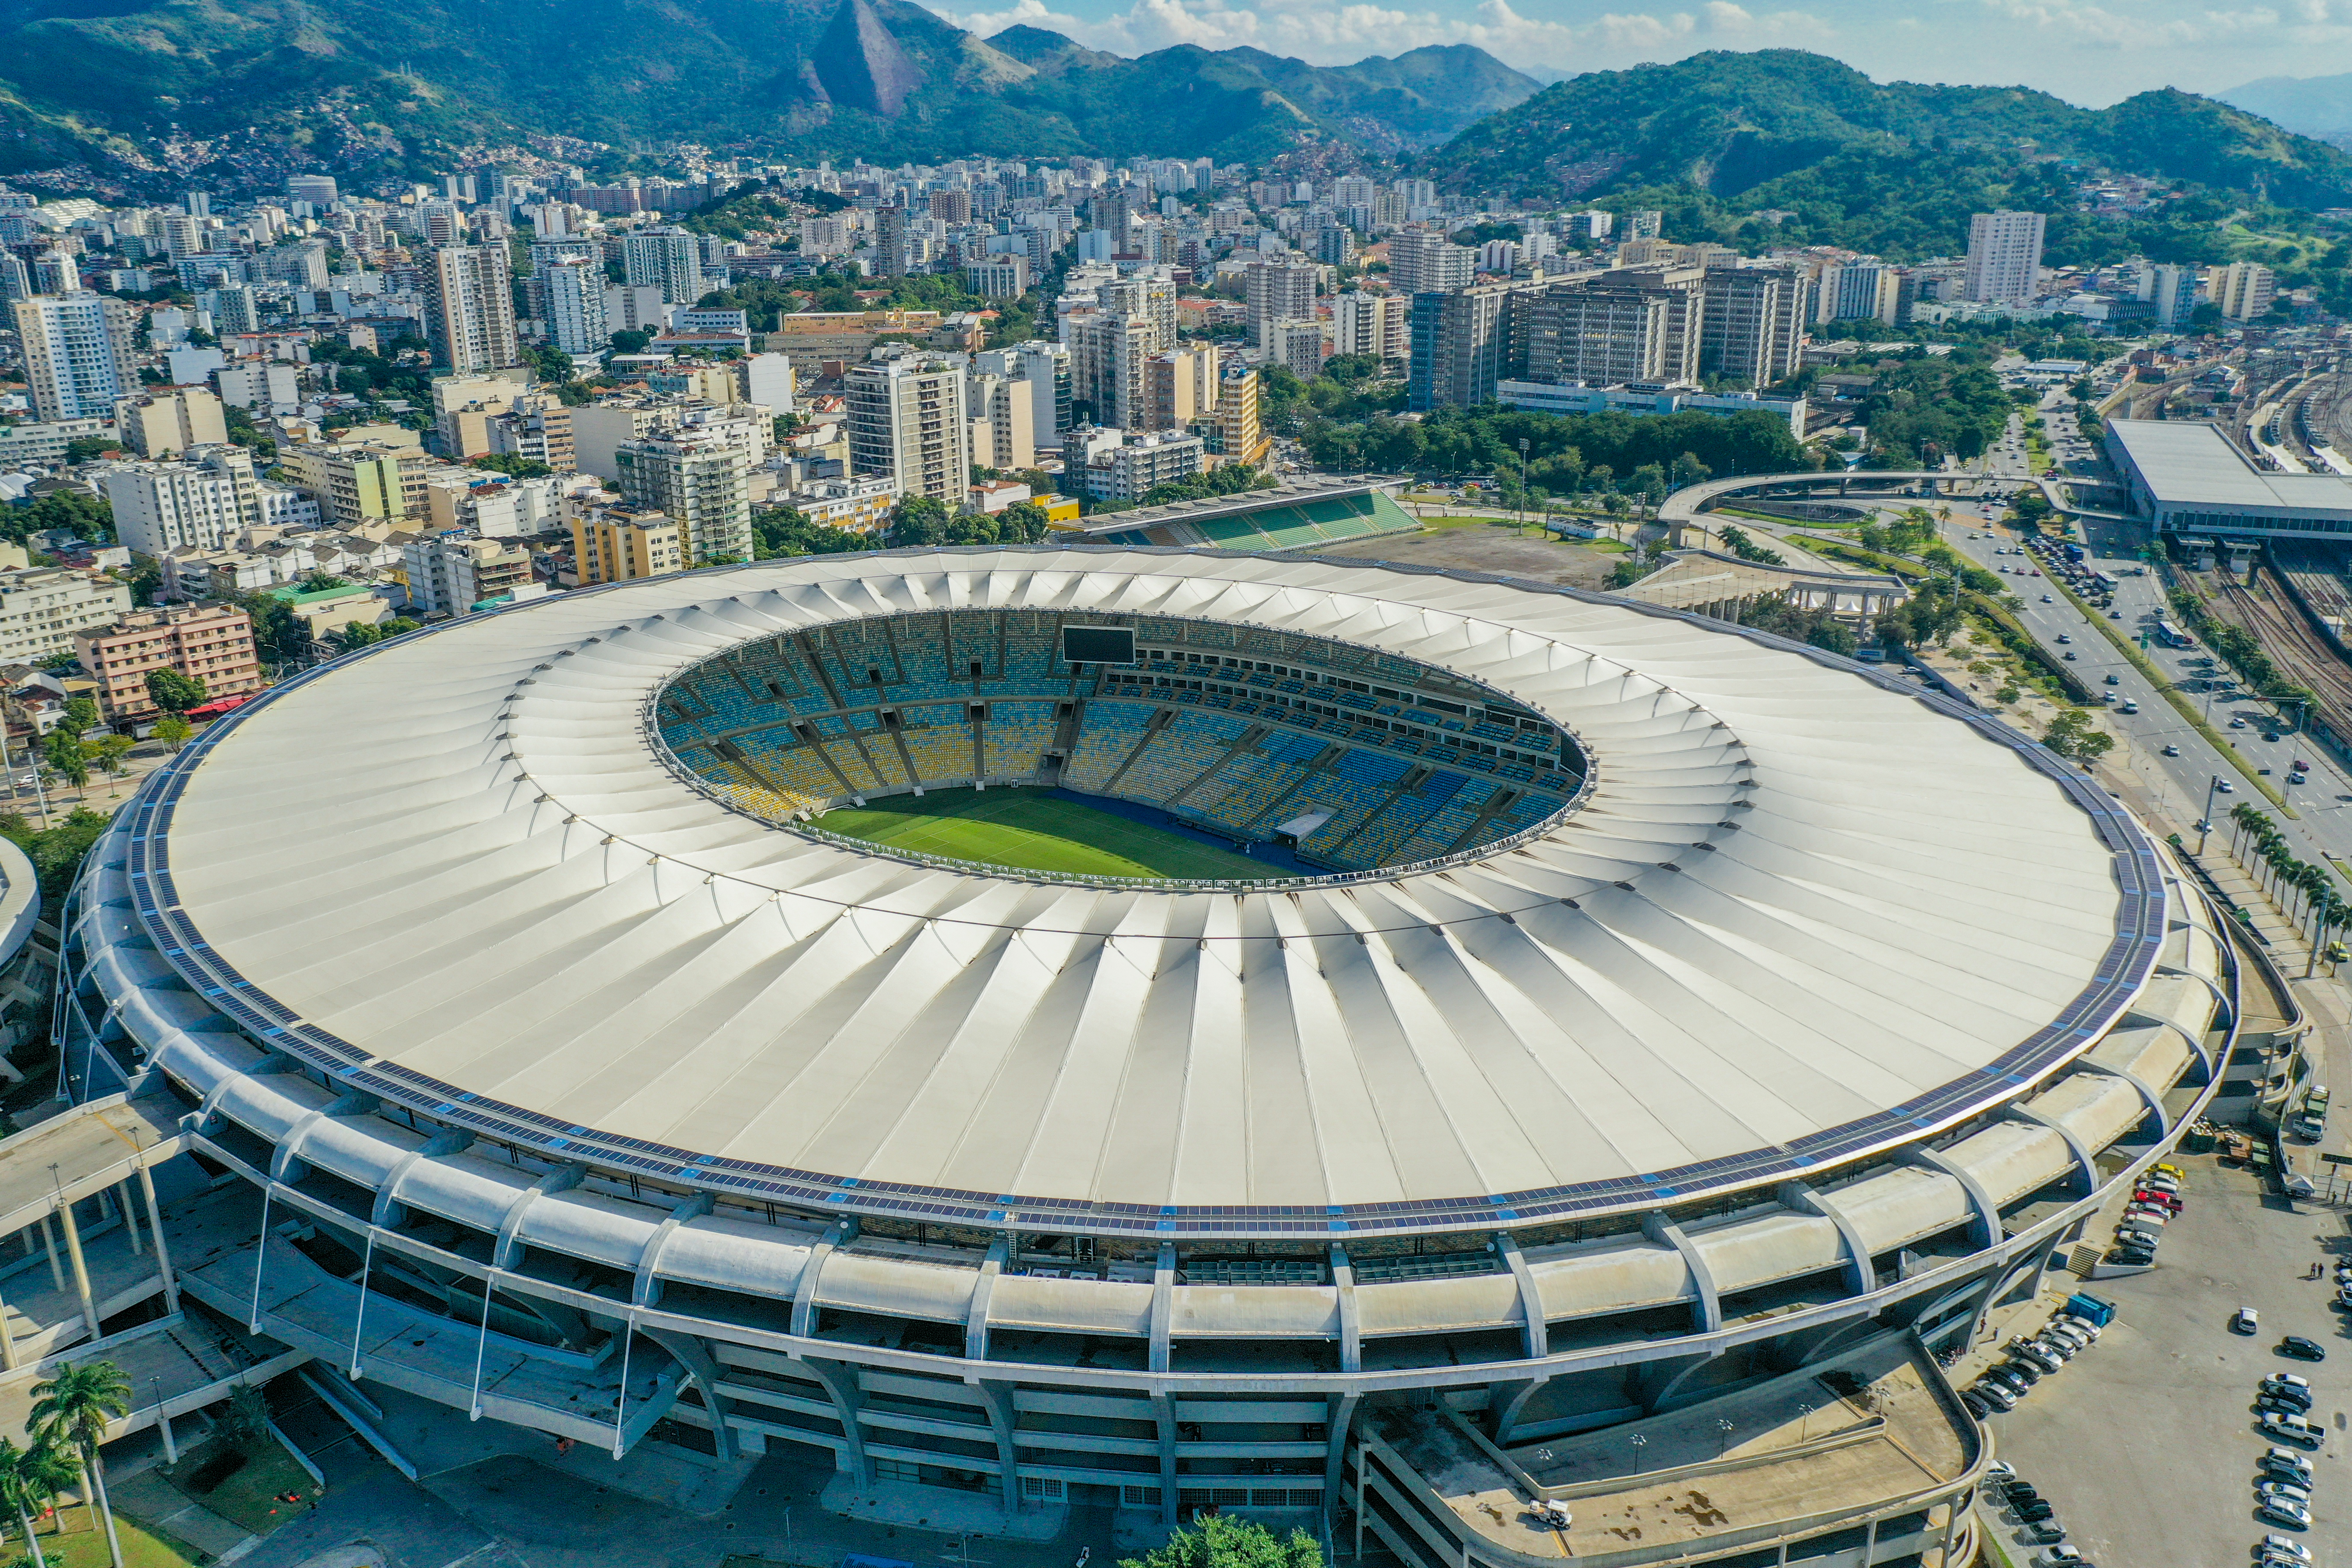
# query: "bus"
{"type": "Point", "coordinates": [2171, 635]}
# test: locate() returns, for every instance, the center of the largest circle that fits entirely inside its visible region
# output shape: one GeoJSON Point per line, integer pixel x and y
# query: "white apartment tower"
{"type": "Point", "coordinates": [570, 294]}
{"type": "Point", "coordinates": [202, 503]}
{"type": "Point", "coordinates": [908, 422]}
{"type": "Point", "coordinates": [1422, 262]}
{"type": "Point", "coordinates": [78, 353]}
{"type": "Point", "coordinates": [1277, 291]}
{"type": "Point", "coordinates": [2244, 289]}
{"type": "Point", "coordinates": [470, 308]}
{"type": "Point", "coordinates": [701, 481]}
{"type": "Point", "coordinates": [667, 258]}
{"type": "Point", "coordinates": [2004, 258]}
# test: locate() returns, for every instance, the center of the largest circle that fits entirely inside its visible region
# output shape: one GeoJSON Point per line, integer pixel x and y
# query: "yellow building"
{"type": "Point", "coordinates": [357, 483]}
{"type": "Point", "coordinates": [613, 544]}
{"type": "Point", "coordinates": [1233, 431]}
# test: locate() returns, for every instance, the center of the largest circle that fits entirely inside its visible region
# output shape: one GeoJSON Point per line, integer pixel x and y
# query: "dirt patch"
{"type": "Point", "coordinates": [1488, 550]}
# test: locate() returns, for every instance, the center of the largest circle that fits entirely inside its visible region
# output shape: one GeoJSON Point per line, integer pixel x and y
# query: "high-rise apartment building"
{"type": "Point", "coordinates": [893, 241]}
{"type": "Point", "coordinates": [1277, 291]}
{"type": "Point", "coordinates": [1182, 388]}
{"type": "Point", "coordinates": [470, 308]}
{"type": "Point", "coordinates": [1043, 369]}
{"type": "Point", "coordinates": [202, 503]}
{"type": "Point", "coordinates": [2004, 257]}
{"type": "Point", "coordinates": [1609, 328]}
{"type": "Point", "coordinates": [1109, 356]}
{"type": "Point", "coordinates": [1857, 291]}
{"type": "Point", "coordinates": [666, 257]}
{"type": "Point", "coordinates": [701, 482]}
{"type": "Point", "coordinates": [78, 353]}
{"type": "Point", "coordinates": [1753, 323]}
{"type": "Point", "coordinates": [2172, 289]}
{"type": "Point", "coordinates": [1375, 324]}
{"type": "Point", "coordinates": [1422, 262]}
{"type": "Point", "coordinates": [908, 422]}
{"type": "Point", "coordinates": [1004, 276]}
{"type": "Point", "coordinates": [952, 206]}
{"type": "Point", "coordinates": [2244, 289]}
{"type": "Point", "coordinates": [1234, 431]}
{"type": "Point", "coordinates": [615, 545]}
{"type": "Point", "coordinates": [1149, 296]}
{"type": "Point", "coordinates": [1461, 347]}
{"type": "Point", "coordinates": [165, 421]}
{"type": "Point", "coordinates": [1644, 222]}
{"type": "Point", "coordinates": [568, 298]}
{"type": "Point", "coordinates": [451, 571]}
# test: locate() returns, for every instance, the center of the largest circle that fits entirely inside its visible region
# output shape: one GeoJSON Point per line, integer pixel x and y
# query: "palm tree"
{"type": "Point", "coordinates": [30, 1479]}
{"type": "Point", "coordinates": [72, 1408]}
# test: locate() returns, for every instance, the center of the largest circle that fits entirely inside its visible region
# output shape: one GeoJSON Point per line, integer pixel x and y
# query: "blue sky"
{"type": "Point", "coordinates": [2088, 51]}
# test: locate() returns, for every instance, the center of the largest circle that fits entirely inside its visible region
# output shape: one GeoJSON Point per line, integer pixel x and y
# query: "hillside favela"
{"type": "Point", "coordinates": [816, 783]}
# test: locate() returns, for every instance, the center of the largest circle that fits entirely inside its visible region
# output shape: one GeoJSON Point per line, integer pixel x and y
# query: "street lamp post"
{"type": "Point", "coordinates": [2205, 822]}
{"type": "Point", "coordinates": [1523, 484]}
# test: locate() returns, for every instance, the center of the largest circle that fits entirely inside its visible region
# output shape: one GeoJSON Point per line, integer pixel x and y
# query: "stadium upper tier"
{"type": "Point", "coordinates": [1799, 915]}
{"type": "Point", "coordinates": [1363, 758]}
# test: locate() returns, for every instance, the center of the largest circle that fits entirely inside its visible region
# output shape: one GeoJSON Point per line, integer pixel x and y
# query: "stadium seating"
{"type": "Point", "coordinates": [881, 695]}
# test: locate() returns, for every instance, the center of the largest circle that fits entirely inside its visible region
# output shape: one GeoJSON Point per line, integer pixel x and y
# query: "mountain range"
{"type": "Point", "coordinates": [1730, 125]}
{"type": "Point", "coordinates": [167, 89]}
{"type": "Point", "coordinates": [2320, 105]}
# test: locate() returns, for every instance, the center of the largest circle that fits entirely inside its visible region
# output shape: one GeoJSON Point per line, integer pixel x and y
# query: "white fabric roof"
{"type": "Point", "coordinates": [460, 854]}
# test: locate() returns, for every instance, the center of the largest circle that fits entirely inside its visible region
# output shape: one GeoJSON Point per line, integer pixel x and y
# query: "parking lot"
{"type": "Point", "coordinates": [2146, 1442]}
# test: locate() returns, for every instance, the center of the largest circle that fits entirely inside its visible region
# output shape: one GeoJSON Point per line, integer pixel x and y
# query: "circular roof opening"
{"type": "Point", "coordinates": [1117, 748]}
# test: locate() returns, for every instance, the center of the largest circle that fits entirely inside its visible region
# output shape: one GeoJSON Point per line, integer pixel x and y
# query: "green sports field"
{"type": "Point", "coordinates": [1030, 830]}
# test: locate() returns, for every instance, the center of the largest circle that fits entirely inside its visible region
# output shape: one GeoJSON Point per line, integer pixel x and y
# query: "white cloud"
{"type": "Point", "coordinates": [1327, 33]}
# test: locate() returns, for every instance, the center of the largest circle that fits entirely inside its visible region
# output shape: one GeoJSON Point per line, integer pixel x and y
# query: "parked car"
{"type": "Point", "coordinates": [2285, 1462]}
{"type": "Point", "coordinates": [2245, 1322]}
{"type": "Point", "coordinates": [2302, 1349]}
{"type": "Point", "coordinates": [2035, 1512]}
{"type": "Point", "coordinates": [2283, 1511]}
{"type": "Point", "coordinates": [1999, 1395]}
{"type": "Point", "coordinates": [2062, 1557]}
{"type": "Point", "coordinates": [2292, 1428]}
{"type": "Point", "coordinates": [2287, 1379]}
{"type": "Point", "coordinates": [2282, 1546]}
{"type": "Point", "coordinates": [2294, 1494]}
{"type": "Point", "coordinates": [2043, 1534]}
{"type": "Point", "coordinates": [2278, 1404]}
{"type": "Point", "coordinates": [1975, 1403]}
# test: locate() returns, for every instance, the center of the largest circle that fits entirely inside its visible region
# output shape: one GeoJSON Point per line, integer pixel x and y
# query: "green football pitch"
{"type": "Point", "coordinates": [1031, 830]}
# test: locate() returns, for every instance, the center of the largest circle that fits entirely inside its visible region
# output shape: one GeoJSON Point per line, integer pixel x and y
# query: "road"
{"type": "Point", "coordinates": [2323, 826]}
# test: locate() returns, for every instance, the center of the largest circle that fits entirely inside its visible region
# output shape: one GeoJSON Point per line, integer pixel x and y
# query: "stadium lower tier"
{"type": "Point", "coordinates": [1360, 758]}
{"type": "Point", "coordinates": [1393, 1384]}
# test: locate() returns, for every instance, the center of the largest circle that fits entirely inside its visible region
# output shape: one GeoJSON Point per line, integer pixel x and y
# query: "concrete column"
{"type": "Point", "coordinates": [121, 1196]}
{"type": "Point", "coordinates": [155, 1230]}
{"type": "Point", "coordinates": [7, 1341]}
{"type": "Point", "coordinates": [80, 1269]}
{"type": "Point", "coordinates": [49, 1240]}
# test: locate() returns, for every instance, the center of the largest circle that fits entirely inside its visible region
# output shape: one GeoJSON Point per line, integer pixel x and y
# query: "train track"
{"type": "Point", "coordinates": [2297, 647]}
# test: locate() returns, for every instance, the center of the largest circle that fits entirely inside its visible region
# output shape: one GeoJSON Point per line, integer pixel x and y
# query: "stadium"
{"type": "Point", "coordinates": [1147, 1029]}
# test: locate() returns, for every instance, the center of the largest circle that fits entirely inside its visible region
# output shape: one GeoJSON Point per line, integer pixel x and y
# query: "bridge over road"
{"type": "Point", "coordinates": [1682, 509]}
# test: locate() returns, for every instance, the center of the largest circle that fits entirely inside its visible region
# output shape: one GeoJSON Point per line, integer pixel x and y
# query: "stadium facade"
{"type": "Point", "coordinates": [1664, 1023]}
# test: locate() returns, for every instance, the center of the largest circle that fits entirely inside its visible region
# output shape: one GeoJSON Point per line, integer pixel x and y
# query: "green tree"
{"type": "Point", "coordinates": [2071, 736]}
{"type": "Point", "coordinates": [72, 1408]}
{"type": "Point", "coordinates": [81, 715]}
{"type": "Point", "coordinates": [112, 754]}
{"type": "Point", "coordinates": [919, 520]}
{"type": "Point", "coordinates": [82, 448]}
{"type": "Point", "coordinates": [173, 730]}
{"type": "Point", "coordinates": [30, 1481]}
{"type": "Point", "coordinates": [515, 464]}
{"type": "Point", "coordinates": [1218, 1541]}
{"type": "Point", "coordinates": [62, 748]}
{"type": "Point", "coordinates": [175, 692]}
